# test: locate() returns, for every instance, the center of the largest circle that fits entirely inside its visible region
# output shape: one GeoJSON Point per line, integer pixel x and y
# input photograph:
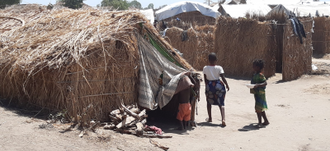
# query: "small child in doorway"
{"type": "Point", "coordinates": [183, 93]}
{"type": "Point", "coordinates": [259, 92]}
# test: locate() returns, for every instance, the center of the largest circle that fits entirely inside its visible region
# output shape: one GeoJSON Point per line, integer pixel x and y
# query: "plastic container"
{"type": "Point", "coordinates": [251, 86]}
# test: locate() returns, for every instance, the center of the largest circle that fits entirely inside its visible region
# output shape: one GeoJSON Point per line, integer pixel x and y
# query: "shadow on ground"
{"type": "Point", "coordinates": [167, 122]}
{"type": "Point", "coordinates": [250, 127]}
{"type": "Point", "coordinates": [26, 110]}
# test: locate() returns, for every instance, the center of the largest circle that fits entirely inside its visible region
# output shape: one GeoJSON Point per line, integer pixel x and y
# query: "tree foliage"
{"type": "Point", "coordinates": [135, 4]}
{"type": "Point", "coordinates": [151, 6]}
{"type": "Point", "coordinates": [4, 3]}
{"type": "Point", "coordinates": [116, 4]}
{"type": "Point", "coordinates": [74, 4]}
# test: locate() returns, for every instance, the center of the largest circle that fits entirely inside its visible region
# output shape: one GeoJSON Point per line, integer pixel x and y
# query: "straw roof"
{"type": "Point", "coordinates": [57, 38]}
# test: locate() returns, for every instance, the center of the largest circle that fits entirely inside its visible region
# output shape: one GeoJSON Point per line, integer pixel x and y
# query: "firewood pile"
{"type": "Point", "coordinates": [131, 120]}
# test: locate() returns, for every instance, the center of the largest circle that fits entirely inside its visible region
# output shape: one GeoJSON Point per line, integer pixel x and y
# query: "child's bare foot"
{"type": "Point", "coordinates": [208, 119]}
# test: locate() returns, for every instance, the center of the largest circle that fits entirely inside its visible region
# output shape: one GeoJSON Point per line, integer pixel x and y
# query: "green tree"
{"type": "Point", "coordinates": [135, 4]}
{"type": "Point", "coordinates": [116, 4]}
{"type": "Point", "coordinates": [151, 6]}
{"type": "Point", "coordinates": [74, 4]}
{"type": "Point", "coordinates": [4, 3]}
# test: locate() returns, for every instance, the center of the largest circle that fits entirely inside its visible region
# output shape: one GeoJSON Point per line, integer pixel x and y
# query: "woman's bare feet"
{"type": "Point", "coordinates": [223, 124]}
{"type": "Point", "coordinates": [265, 123]}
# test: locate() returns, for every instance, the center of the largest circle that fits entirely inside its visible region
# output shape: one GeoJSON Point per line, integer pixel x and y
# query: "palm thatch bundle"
{"type": "Point", "coordinates": [80, 61]}
{"type": "Point", "coordinates": [321, 36]}
{"type": "Point", "coordinates": [297, 57]}
{"type": "Point", "coordinates": [238, 42]}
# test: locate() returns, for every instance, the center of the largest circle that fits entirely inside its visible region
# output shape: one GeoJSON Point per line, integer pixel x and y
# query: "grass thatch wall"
{"type": "Point", "coordinates": [196, 48]}
{"type": "Point", "coordinates": [297, 57]}
{"type": "Point", "coordinates": [240, 41]}
{"type": "Point", "coordinates": [188, 47]}
{"type": "Point", "coordinates": [80, 61]}
{"type": "Point", "coordinates": [321, 36]}
{"type": "Point", "coordinates": [205, 45]}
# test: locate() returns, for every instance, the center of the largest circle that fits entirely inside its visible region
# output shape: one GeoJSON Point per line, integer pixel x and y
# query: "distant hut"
{"type": "Point", "coordinates": [294, 45]}
{"type": "Point", "coordinates": [237, 11]}
{"type": "Point", "coordinates": [188, 12]}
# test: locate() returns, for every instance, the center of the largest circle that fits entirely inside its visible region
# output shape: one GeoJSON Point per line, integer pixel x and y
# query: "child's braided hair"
{"type": "Point", "coordinates": [259, 63]}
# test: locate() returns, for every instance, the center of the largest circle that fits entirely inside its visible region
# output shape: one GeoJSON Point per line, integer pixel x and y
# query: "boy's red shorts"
{"type": "Point", "coordinates": [184, 113]}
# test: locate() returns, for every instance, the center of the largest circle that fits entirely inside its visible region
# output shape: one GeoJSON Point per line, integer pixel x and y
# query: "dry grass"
{"type": "Point", "coordinates": [238, 42]}
{"type": "Point", "coordinates": [77, 60]}
{"type": "Point", "coordinates": [297, 57]}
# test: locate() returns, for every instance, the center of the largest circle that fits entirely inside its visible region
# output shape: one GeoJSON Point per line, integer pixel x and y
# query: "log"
{"type": "Point", "coordinates": [119, 117]}
{"type": "Point", "coordinates": [144, 121]}
{"type": "Point", "coordinates": [135, 110]}
{"type": "Point", "coordinates": [109, 126]}
{"type": "Point", "coordinates": [114, 119]}
{"type": "Point", "coordinates": [114, 112]}
{"type": "Point", "coordinates": [129, 120]}
{"type": "Point", "coordinates": [156, 136]}
{"type": "Point", "coordinates": [142, 113]}
{"type": "Point", "coordinates": [158, 145]}
{"type": "Point", "coordinates": [139, 128]}
{"type": "Point", "coordinates": [129, 112]}
{"type": "Point", "coordinates": [122, 123]}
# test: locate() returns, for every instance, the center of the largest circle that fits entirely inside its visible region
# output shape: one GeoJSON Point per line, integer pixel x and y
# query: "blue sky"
{"type": "Point", "coordinates": [144, 3]}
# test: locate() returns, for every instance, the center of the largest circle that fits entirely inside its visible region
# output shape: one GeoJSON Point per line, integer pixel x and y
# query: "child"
{"type": "Point", "coordinates": [183, 94]}
{"type": "Point", "coordinates": [259, 92]}
{"type": "Point", "coordinates": [215, 90]}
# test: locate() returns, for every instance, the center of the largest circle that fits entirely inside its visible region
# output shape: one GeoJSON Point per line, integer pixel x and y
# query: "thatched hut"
{"type": "Point", "coordinates": [293, 56]}
{"type": "Point", "coordinates": [237, 11]}
{"type": "Point", "coordinates": [82, 61]}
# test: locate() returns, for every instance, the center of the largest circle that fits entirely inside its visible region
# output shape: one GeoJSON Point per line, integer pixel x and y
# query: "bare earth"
{"type": "Point", "coordinates": [299, 113]}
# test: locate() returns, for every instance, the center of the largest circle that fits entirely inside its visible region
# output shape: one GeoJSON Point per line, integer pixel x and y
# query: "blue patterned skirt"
{"type": "Point", "coordinates": [215, 93]}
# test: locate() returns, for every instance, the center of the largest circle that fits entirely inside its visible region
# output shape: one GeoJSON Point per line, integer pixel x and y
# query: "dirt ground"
{"type": "Point", "coordinates": [298, 113]}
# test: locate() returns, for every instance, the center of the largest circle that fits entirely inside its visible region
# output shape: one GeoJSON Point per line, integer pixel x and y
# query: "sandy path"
{"type": "Point", "coordinates": [298, 112]}
{"type": "Point", "coordinates": [299, 116]}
